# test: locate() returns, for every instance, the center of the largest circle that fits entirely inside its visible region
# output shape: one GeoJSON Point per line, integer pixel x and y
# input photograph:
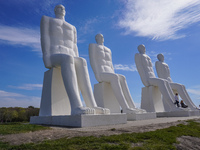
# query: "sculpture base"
{"type": "Point", "coordinates": [80, 120]}
{"type": "Point", "coordinates": [178, 114]}
{"type": "Point", "coordinates": [142, 116]}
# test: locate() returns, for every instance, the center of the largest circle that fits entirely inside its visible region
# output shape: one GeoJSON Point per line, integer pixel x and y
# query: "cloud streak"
{"type": "Point", "coordinates": [125, 67]}
{"type": "Point", "coordinates": [20, 36]}
{"type": "Point", "coordinates": [159, 19]}
{"type": "Point", "coordinates": [195, 90]}
{"type": "Point", "coordinates": [27, 87]}
{"type": "Point", "coordinates": [9, 99]}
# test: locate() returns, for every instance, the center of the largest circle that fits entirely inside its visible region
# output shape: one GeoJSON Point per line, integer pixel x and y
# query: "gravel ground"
{"type": "Point", "coordinates": [131, 126]}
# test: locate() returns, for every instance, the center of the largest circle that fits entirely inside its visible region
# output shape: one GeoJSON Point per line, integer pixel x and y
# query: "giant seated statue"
{"type": "Point", "coordinates": [112, 91]}
{"type": "Point", "coordinates": [154, 87]}
{"type": "Point", "coordinates": [68, 74]}
{"type": "Point", "coordinates": [163, 72]}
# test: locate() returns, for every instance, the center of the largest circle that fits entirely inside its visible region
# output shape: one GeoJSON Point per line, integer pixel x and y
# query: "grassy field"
{"type": "Point", "coordinates": [13, 128]}
{"type": "Point", "coordinates": [155, 140]}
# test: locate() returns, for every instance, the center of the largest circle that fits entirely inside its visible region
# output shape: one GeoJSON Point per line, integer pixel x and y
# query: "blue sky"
{"type": "Point", "coordinates": [163, 26]}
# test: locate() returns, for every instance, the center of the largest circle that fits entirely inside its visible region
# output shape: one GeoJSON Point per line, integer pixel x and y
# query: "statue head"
{"type": "Point", "coordinates": [59, 10]}
{"type": "Point", "coordinates": [99, 39]}
{"type": "Point", "coordinates": [142, 49]}
{"type": "Point", "coordinates": [160, 57]}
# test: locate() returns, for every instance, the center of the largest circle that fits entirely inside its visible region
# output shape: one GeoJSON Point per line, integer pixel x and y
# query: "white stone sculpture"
{"type": "Point", "coordinates": [59, 47]}
{"type": "Point", "coordinates": [163, 72]}
{"type": "Point", "coordinates": [145, 69]}
{"type": "Point", "coordinates": [101, 62]}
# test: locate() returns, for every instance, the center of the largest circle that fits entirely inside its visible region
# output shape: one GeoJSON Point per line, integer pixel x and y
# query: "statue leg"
{"type": "Point", "coordinates": [183, 94]}
{"type": "Point", "coordinates": [85, 85]}
{"type": "Point", "coordinates": [68, 72]}
{"type": "Point", "coordinates": [127, 94]}
{"type": "Point", "coordinates": [114, 80]}
{"type": "Point", "coordinates": [165, 89]}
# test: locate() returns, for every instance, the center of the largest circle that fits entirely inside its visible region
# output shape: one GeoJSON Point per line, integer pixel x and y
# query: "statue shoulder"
{"type": "Point", "coordinates": [157, 64]}
{"type": "Point", "coordinates": [93, 46]}
{"type": "Point", "coordinates": [107, 49]}
{"type": "Point", "coordinates": [45, 18]}
{"type": "Point", "coordinates": [137, 55]}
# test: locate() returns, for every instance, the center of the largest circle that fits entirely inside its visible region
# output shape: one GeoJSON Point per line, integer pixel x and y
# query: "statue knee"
{"type": "Point", "coordinates": [122, 77]}
{"type": "Point", "coordinates": [67, 59]}
{"type": "Point", "coordinates": [161, 82]}
{"type": "Point", "coordinates": [114, 78]}
{"type": "Point", "coordinates": [81, 61]}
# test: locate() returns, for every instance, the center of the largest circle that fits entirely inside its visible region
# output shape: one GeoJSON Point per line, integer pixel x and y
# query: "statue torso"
{"type": "Point", "coordinates": [104, 59]}
{"type": "Point", "coordinates": [163, 71]}
{"type": "Point", "coordinates": [61, 37]}
{"type": "Point", "coordinates": [147, 65]}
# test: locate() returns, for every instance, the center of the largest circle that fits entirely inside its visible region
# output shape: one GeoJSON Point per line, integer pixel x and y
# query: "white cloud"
{"type": "Point", "coordinates": [194, 90]}
{"type": "Point", "coordinates": [125, 67]}
{"type": "Point", "coordinates": [159, 19]}
{"type": "Point", "coordinates": [27, 87]}
{"type": "Point", "coordinates": [9, 99]}
{"type": "Point", "coordinates": [195, 94]}
{"type": "Point", "coordinates": [87, 26]}
{"type": "Point", "coordinates": [20, 36]}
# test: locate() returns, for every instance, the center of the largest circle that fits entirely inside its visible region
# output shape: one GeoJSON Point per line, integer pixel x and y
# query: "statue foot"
{"type": "Point", "coordinates": [83, 110]}
{"type": "Point", "coordinates": [100, 110]}
{"type": "Point", "coordinates": [140, 110]}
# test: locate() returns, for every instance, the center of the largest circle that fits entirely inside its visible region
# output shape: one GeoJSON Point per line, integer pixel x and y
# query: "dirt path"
{"type": "Point", "coordinates": [61, 132]}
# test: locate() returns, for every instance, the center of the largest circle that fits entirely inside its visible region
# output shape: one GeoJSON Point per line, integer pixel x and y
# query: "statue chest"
{"type": "Point", "coordinates": [60, 29]}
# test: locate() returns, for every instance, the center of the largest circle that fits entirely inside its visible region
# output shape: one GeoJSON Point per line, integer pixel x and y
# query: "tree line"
{"type": "Point", "coordinates": [17, 114]}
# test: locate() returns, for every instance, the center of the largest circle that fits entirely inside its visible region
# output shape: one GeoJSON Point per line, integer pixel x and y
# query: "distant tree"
{"type": "Point", "coordinates": [22, 115]}
{"type": "Point", "coordinates": [2, 114]}
{"type": "Point", "coordinates": [14, 115]}
{"type": "Point", "coordinates": [31, 107]}
{"type": "Point", "coordinates": [17, 113]}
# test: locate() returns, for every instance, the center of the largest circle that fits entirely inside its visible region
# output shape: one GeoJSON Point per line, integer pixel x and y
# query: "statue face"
{"type": "Point", "coordinates": [160, 57]}
{"type": "Point", "coordinates": [142, 49]}
{"type": "Point", "coordinates": [99, 39]}
{"type": "Point", "coordinates": [60, 10]}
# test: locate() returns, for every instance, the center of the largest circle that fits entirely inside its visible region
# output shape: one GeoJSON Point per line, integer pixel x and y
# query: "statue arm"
{"type": "Point", "coordinates": [45, 41]}
{"type": "Point", "coordinates": [111, 61]}
{"type": "Point", "coordinates": [158, 69]}
{"type": "Point", "coordinates": [75, 43]}
{"type": "Point", "coordinates": [92, 56]}
{"type": "Point", "coordinates": [140, 68]}
{"type": "Point", "coordinates": [169, 78]}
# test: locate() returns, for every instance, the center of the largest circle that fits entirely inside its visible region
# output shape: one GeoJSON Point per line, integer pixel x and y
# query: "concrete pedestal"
{"type": "Point", "coordinates": [152, 99]}
{"type": "Point", "coordinates": [142, 116]}
{"type": "Point", "coordinates": [105, 97]}
{"type": "Point", "coordinates": [54, 99]}
{"type": "Point", "coordinates": [178, 114]}
{"type": "Point", "coordinates": [80, 120]}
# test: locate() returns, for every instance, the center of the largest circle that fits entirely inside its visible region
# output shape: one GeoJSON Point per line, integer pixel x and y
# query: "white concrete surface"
{"type": "Point", "coordinates": [80, 120]}
{"type": "Point", "coordinates": [141, 116]}
{"type": "Point", "coordinates": [137, 123]}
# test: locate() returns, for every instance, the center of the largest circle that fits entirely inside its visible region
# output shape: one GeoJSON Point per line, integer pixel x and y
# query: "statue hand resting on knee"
{"type": "Point", "coordinates": [101, 62]}
{"type": "Point", "coordinates": [59, 47]}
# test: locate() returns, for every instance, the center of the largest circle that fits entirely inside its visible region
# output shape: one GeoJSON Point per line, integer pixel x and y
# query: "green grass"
{"type": "Point", "coordinates": [162, 139]}
{"type": "Point", "coordinates": [17, 127]}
